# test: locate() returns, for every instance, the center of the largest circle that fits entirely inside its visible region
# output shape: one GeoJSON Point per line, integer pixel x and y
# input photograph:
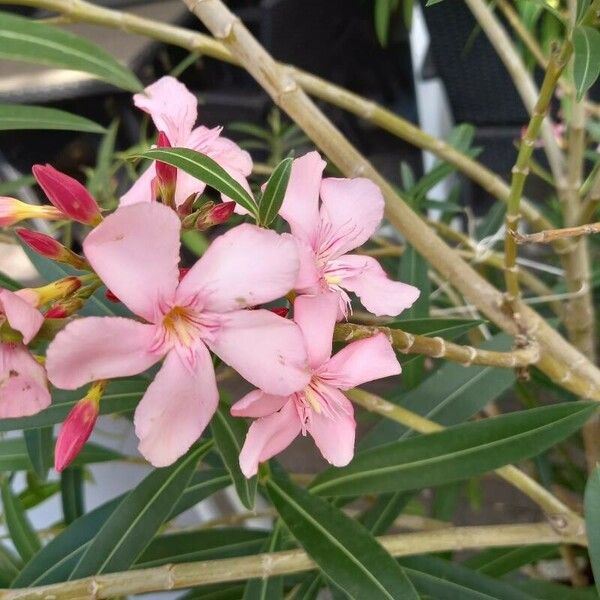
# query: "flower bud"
{"type": "Point", "coordinates": [47, 246]}
{"type": "Point", "coordinates": [64, 308]}
{"type": "Point", "coordinates": [78, 427]}
{"type": "Point", "coordinates": [214, 215]}
{"type": "Point", "coordinates": [68, 195]}
{"type": "Point", "coordinates": [111, 297]}
{"type": "Point", "coordinates": [166, 175]}
{"type": "Point", "coordinates": [57, 290]}
{"type": "Point", "coordinates": [13, 211]}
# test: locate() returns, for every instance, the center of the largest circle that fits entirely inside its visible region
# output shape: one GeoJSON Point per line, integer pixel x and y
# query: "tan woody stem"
{"type": "Point", "coordinates": [437, 347]}
{"type": "Point", "coordinates": [187, 575]}
{"type": "Point", "coordinates": [80, 10]}
{"type": "Point", "coordinates": [560, 515]}
{"type": "Point", "coordinates": [547, 236]}
{"type": "Point", "coordinates": [521, 169]}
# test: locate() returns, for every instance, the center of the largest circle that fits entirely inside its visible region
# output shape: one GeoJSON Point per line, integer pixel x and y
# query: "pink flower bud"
{"type": "Point", "coordinates": [68, 195]}
{"type": "Point", "coordinates": [166, 175]}
{"type": "Point", "coordinates": [12, 211]}
{"type": "Point", "coordinates": [78, 427]}
{"type": "Point", "coordinates": [47, 246]}
{"type": "Point", "coordinates": [215, 215]}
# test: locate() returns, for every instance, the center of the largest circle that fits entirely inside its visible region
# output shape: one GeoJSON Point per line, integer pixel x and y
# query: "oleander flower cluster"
{"type": "Point", "coordinates": [262, 302]}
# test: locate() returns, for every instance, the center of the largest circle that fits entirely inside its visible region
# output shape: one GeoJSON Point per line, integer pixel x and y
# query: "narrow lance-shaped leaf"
{"type": "Point", "coordinates": [592, 521]}
{"type": "Point", "coordinates": [131, 527]}
{"type": "Point", "coordinates": [58, 558]}
{"type": "Point", "coordinates": [71, 493]}
{"type": "Point", "coordinates": [21, 532]}
{"type": "Point", "coordinates": [343, 549]}
{"type": "Point", "coordinates": [455, 453]}
{"type": "Point", "coordinates": [229, 435]}
{"type": "Point", "coordinates": [20, 116]}
{"type": "Point", "coordinates": [274, 193]}
{"type": "Point", "coordinates": [207, 170]}
{"type": "Point", "coordinates": [40, 448]}
{"type": "Point", "coordinates": [586, 62]}
{"type": "Point", "coordinates": [30, 41]}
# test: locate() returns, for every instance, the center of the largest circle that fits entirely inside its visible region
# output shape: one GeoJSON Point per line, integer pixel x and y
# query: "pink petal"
{"type": "Point", "coordinates": [176, 408]}
{"type": "Point", "coordinates": [361, 361]}
{"type": "Point", "coordinates": [141, 190]}
{"type": "Point", "coordinates": [351, 212]}
{"type": "Point", "coordinates": [258, 404]}
{"type": "Point", "coordinates": [221, 149]}
{"type": "Point", "coordinates": [309, 276]}
{"type": "Point", "coordinates": [20, 314]}
{"type": "Point", "coordinates": [172, 106]}
{"type": "Point", "coordinates": [186, 186]}
{"type": "Point", "coordinates": [246, 266]}
{"type": "Point", "coordinates": [266, 350]}
{"type": "Point", "coordinates": [23, 385]}
{"type": "Point", "coordinates": [135, 251]}
{"type": "Point", "coordinates": [316, 316]}
{"type": "Point", "coordinates": [96, 348]}
{"type": "Point", "coordinates": [378, 293]}
{"type": "Point", "coordinates": [300, 206]}
{"type": "Point", "coordinates": [268, 436]}
{"type": "Point", "coordinates": [334, 434]}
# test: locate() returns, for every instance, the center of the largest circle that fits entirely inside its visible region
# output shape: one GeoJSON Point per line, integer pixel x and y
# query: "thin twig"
{"type": "Point", "coordinates": [549, 235]}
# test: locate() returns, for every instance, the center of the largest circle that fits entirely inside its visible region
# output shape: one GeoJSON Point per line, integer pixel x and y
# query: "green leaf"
{"type": "Point", "coordinates": [71, 493]}
{"type": "Point", "coordinates": [382, 20]}
{"type": "Point", "coordinates": [592, 521]}
{"type": "Point", "coordinates": [40, 447]}
{"type": "Point", "coordinates": [545, 590]}
{"type": "Point", "coordinates": [492, 221]}
{"type": "Point", "coordinates": [229, 435]}
{"type": "Point", "coordinates": [207, 170]}
{"type": "Point", "coordinates": [13, 186]}
{"type": "Point", "coordinates": [21, 532]}
{"type": "Point", "coordinates": [497, 562]}
{"type": "Point", "coordinates": [8, 283]}
{"type": "Point", "coordinates": [29, 41]}
{"type": "Point", "coordinates": [582, 7]}
{"type": "Point", "coordinates": [437, 578]}
{"type": "Point", "coordinates": [120, 396]}
{"type": "Point", "coordinates": [208, 544]}
{"type": "Point", "coordinates": [445, 328]}
{"type": "Point", "coordinates": [267, 588]}
{"type": "Point", "coordinates": [379, 517]}
{"type": "Point", "coordinates": [456, 453]}
{"type": "Point", "coordinates": [451, 395]}
{"type": "Point", "coordinates": [20, 116]}
{"type": "Point", "coordinates": [272, 197]}
{"type": "Point", "coordinates": [131, 527]}
{"type": "Point", "coordinates": [586, 62]}
{"type": "Point", "coordinates": [56, 561]}
{"type": "Point", "coordinates": [342, 548]}
{"type": "Point", "coordinates": [10, 566]}
{"type": "Point", "coordinates": [14, 455]}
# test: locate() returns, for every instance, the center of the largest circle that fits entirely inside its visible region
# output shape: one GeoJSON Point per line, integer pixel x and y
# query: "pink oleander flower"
{"type": "Point", "coordinates": [23, 385]}
{"type": "Point", "coordinates": [135, 251]}
{"type": "Point", "coordinates": [77, 427]}
{"type": "Point", "coordinates": [174, 111]}
{"type": "Point", "coordinates": [350, 212]}
{"type": "Point", "coordinates": [67, 195]}
{"type": "Point", "coordinates": [320, 409]}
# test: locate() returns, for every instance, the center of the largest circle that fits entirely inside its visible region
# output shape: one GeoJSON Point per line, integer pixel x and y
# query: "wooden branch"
{"type": "Point", "coordinates": [549, 235]}
{"type": "Point", "coordinates": [187, 575]}
{"type": "Point", "coordinates": [437, 347]}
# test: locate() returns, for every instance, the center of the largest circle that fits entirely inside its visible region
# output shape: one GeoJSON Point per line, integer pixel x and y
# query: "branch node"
{"type": "Point", "coordinates": [442, 347]}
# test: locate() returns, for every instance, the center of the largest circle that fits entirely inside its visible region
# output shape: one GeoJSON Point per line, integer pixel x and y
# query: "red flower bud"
{"type": "Point", "coordinates": [68, 195]}
{"type": "Point", "coordinates": [78, 427]}
{"type": "Point", "coordinates": [12, 211]}
{"type": "Point", "coordinates": [211, 215]}
{"type": "Point", "coordinates": [111, 297]}
{"type": "Point", "coordinates": [166, 174]}
{"type": "Point", "coordinates": [64, 309]}
{"type": "Point", "coordinates": [47, 246]}
{"type": "Point", "coordinates": [281, 311]}
{"type": "Point", "coordinates": [183, 271]}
